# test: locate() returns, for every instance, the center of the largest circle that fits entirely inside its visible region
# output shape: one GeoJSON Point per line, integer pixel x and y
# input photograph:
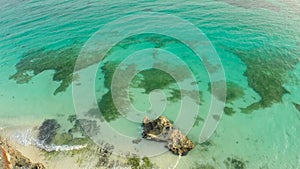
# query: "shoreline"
{"type": "Point", "coordinates": [92, 156]}
{"type": "Point", "coordinates": [12, 157]}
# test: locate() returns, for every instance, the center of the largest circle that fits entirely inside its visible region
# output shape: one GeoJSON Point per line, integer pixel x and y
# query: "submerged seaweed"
{"type": "Point", "coordinates": [108, 108]}
{"type": "Point", "coordinates": [297, 106]}
{"type": "Point", "coordinates": [234, 163]}
{"type": "Point", "coordinates": [148, 80]}
{"type": "Point", "coordinates": [106, 104]}
{"type": "Point", "coordinates": [266, 73]}
{"type": "Point", "coordinates": [138, 163]}
{"type": "Point", "coordinates": [152, 79]}
{"type": "Point", "coordinates": [229, 111]}
{"type": "Point", "coordinates": [62, 61]}
{"type": "Point", "coordinates": [84, 127]}
{"type": "Point", "coordinates": [233, 91]}
{"type": "Point", "coordinates": [198, 119]}
{"type": "Point", "coordinates": [48, 132]}
{"type": "Point", "coordinates": [155, 79]}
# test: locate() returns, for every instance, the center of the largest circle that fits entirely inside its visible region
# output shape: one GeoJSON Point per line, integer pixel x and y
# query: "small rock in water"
{"type": "Point", "coordinates": [161, 129]}
{"type": "Point", "coordinates": [47, 131]}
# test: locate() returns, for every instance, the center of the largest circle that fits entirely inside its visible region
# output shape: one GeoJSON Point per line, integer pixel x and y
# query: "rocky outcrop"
{"type": "Point", "coordinates": [161, 129]}
{"type": "Point", "coordinates": [158, 129]}
{"type": "Point", "coordinates": [12, 158]}
{"type": "Point", "coordinates": [47, 131]}
{"type": "Point", "coordinates": [179, 143]}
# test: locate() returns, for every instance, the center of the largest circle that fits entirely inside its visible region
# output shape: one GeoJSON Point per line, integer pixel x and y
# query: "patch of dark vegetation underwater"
{"type": "Point", "coordinates": [266, 72]}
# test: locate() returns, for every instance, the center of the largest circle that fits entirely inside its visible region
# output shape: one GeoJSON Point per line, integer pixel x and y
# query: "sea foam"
{"type": "Point", "coordinates": [26, 138]}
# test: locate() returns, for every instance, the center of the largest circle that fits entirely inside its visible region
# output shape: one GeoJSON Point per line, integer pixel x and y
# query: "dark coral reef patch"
{"type": "Point", "coordinates": [148, 80]}
{"type": "Point", "coordinates": [266, 73]}
{"type": "Point", "coordinates": [106, 104]}
{"type": "Point", "coordinates": [62, 61]}
{"type": "Point", "coordinates": [233, 92]}
{"type": "Point", "coordinates": [154, 79]}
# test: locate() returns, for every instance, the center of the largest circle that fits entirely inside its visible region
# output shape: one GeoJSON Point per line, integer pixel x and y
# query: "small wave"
{"type": "Point", "coordinates": [27, 138]}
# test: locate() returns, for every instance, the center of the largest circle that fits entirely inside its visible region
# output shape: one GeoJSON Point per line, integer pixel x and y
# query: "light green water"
{"type": "Point", "coordinates": [257, 42]}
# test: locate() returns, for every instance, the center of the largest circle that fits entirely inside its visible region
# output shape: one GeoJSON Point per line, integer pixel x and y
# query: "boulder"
{"type": "Point", "coordinates": [179, 143]}
{"type": "Point", "coordinates": [158, 129]}
{"type": "Point", "coordinates": [161, 129]}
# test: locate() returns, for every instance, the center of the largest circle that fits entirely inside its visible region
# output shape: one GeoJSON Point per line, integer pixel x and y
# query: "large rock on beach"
{"type": "Point", "coordinates": [161, 129]}
{"type": "Point", "coordinates": [10, 158]}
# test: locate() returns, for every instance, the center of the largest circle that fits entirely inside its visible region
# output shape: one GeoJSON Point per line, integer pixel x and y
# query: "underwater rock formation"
{"type": "Point", "coordinates": [161, 129]}
{"type": "Point", "coordinates": [47, 131]}
{"type": "Point", "coordinates": [12, 158]}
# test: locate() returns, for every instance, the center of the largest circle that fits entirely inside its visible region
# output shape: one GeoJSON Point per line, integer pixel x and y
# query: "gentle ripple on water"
{"type": "Point", "coordinates": [267, 28]}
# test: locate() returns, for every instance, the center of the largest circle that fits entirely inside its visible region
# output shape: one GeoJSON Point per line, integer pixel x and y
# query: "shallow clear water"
{"type": "Point", "coordinates": [258, 44]}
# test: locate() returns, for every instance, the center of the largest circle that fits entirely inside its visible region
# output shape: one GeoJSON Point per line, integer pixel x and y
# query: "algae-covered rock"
{"type": "Point", "coordinates": [47, 131]}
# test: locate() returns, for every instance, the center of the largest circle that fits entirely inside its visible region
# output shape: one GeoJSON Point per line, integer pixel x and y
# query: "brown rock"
{"type": "Point", "coordinates": [158, 129]}
{"type": "Point", "coordinates": [12, 158]}
{"type": "Point", "coordinates": [161, 129]}
{"type": "Point", "coordinates": [179, 143]}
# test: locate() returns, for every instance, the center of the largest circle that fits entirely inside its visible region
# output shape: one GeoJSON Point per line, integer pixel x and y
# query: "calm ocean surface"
{"type": "Point", "coordinates": [257, 42]}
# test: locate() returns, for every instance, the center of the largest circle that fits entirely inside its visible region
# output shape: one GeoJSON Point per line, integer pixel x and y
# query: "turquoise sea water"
{"type": "Point", "coordinates": [258, 43]}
